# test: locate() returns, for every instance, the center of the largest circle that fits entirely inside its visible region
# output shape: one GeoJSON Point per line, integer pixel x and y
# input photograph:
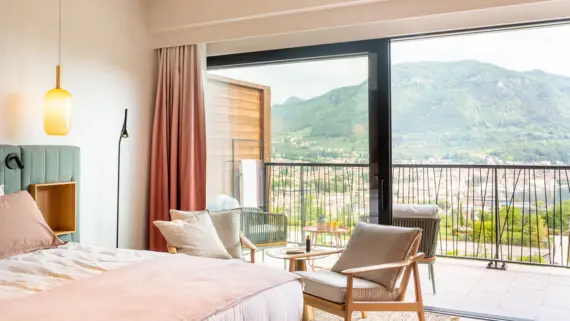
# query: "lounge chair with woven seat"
{"type": "Point", "coordinates": [264, 229]}
{"type": "Point", "coordinates": [425, 217]}
{"type": "Point", "coordinates": [366, 275]}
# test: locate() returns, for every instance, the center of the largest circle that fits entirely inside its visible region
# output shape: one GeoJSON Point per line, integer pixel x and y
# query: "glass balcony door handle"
{"type": "Point", "coordinates": [381, 193]}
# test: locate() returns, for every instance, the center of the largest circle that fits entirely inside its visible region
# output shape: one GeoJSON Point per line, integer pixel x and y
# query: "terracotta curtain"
{"type": "Point", "coordinates": [178, 154]}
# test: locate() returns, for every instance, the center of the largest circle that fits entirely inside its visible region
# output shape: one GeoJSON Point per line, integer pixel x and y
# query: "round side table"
{"type": "Point", "coordinates": [337, 235]}
{"type": "Point", "coordinates": [298, 263]}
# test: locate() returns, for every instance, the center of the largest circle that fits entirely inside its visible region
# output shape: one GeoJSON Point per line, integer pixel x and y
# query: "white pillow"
{"type": "Point", "coordinates": [226, 223]}
{"type": "Point", "coordinates": [1, 190]}
{"type": "Point", "coordinates": [196, 237]}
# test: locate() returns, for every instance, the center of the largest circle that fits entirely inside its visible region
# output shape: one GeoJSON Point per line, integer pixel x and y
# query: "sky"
{"type": "Point", "coordinates": [545, 48]}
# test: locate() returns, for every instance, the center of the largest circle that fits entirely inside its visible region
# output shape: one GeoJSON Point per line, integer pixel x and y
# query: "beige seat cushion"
{"type": "Point", "coordinates": [415, 211]}
{"type": "Point", "coordinates": [331, 286]}
{"type": "Point", "coordinates": [372, 244]}
{"type": "Point", "coordinates": [194, 236]}
{"type": "Point", "coordinates": [226, 223]}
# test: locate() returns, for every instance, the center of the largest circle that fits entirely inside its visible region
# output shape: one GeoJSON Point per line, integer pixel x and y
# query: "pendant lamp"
{"type": "Point", "coordinates": [57, 103]}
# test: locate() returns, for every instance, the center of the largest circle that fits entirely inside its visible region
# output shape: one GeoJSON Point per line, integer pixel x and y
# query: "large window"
{"type": "Point", "coordinates": [480, 128]}
{"type": "Point", "coordinates": [475, 126]}
{"type": "Point", "coordinates": [306, 132]}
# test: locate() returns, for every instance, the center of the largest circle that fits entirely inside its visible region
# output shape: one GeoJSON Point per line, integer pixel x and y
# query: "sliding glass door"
{"type": "Point", "coordinates": [305, 132]}
{"type": "Point", "coordinates": [480, 129]}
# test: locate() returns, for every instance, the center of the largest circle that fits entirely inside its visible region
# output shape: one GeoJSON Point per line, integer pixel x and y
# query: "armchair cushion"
{"type": "Point", "coordinates": [226, 223]}
{"type": "Point", "coordinates": [372, 244]}
{"type": "Point", "coordinates": [331, 286]}
{"type": "Point", "coordinates": [415, 210]}
{"type": "Point", "coordinates": [195, 237]}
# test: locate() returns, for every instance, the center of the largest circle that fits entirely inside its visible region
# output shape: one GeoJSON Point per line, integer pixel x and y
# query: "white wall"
{"type": "Point", "coordinates": [107, 66]}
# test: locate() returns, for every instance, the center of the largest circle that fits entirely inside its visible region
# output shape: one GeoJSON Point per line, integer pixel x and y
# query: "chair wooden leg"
{"type": "Point", "coordinates": [347, 315]}
{"type": "Point", "coordinates": [348, 302]}
{"type": "Point", "coordinates": [307, 313]}
{"type": "Point", "coordinates": [418, 293]}
{"type": "Point", "coordinates": [364, 316]}
{"type": "Point", "coordinates": [421, 315]}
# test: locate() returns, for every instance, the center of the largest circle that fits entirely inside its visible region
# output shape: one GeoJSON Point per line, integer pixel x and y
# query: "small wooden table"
{"type": "Point", "coordinates": [337, 234]}
{"type": "Point", "coordinates": [298, 261]}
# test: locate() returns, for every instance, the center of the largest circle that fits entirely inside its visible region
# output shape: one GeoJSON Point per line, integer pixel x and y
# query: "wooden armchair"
{"type": "Point", "coordinates": [244, 243]}
{"type": "Point", "coordinates": [364, 278]}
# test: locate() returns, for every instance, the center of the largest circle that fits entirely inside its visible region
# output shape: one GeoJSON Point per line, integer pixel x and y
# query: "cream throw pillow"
{"type": "Point", "coordinates": [196, 236]}
{"type": "Point", "coordinates": [1, 190]}
{"type": "Point", "coordinates": [227, 224]}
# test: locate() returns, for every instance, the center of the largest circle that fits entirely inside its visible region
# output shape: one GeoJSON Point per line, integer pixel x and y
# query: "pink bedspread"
{"type": "Point", "coordinates": [178, 288]}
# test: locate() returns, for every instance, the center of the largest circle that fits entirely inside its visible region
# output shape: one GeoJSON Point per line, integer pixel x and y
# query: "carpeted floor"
{"type": "Point", "coordinates": [384, 316]}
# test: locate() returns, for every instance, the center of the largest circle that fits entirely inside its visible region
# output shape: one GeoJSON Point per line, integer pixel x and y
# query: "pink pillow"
{"type": "Point", "coordinates": [22, 226]}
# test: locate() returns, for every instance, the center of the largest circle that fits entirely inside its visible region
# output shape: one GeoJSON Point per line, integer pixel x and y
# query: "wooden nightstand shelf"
{"type": "Point", "coordinates": [57, 202]}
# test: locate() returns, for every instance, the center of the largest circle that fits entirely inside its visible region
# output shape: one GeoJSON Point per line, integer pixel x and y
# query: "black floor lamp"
{"type": "Point", "coordinates": [124, 134]}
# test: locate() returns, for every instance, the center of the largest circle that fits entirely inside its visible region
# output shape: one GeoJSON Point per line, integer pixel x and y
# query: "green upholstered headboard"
{"type": "Point", "coordinates": [42, 164]}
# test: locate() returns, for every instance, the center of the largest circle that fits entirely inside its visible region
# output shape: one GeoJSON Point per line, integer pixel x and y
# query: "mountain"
{"type": "Point", "coordinates": [462, 111]}
{"type": "Point", "coordinates": [293, 100]}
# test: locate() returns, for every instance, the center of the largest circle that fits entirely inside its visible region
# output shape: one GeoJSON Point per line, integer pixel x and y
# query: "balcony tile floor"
{"type": "Point", "coordinates": [523, 292]}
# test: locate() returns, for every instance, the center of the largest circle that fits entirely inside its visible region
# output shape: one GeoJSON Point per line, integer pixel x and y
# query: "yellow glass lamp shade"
{"type": "Point", "coordinates": [57, 111]}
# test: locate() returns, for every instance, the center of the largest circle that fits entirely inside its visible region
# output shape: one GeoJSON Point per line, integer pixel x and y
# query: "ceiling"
{"type": "Point", "coordinates": [230, 26]}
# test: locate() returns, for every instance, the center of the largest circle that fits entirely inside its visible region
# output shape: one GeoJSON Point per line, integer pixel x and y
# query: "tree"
{"type": "Point", "coordinates": [557, 219]}
{"type": "Point", "coordinates": [515, 228]}
{"type": "Point", "coordinates": [518, 228]}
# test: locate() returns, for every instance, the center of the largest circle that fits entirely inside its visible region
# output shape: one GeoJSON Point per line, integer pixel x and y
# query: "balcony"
{"type": "Point", "coordinates": [503, 239]}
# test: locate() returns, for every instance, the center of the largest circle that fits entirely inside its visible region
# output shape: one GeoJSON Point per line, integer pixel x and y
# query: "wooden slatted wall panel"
{"type": "Point", "coordinates": [234, 110]}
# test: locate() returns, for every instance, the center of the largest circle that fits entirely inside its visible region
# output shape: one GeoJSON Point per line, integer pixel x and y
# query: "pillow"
{"type": "Point", "coordinates": [372, 244]}
{"type": "Point", "coordinates": [226, 223]}
{"type": "Point", "coordinates": [23, 227]}
{"type": "Point", "coordinates": [196, 236]}
{"type": "Point", "coordinates": [1, 190]}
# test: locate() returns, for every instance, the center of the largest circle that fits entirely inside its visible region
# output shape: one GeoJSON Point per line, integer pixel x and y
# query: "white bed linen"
{"type": "Point", "coordinates": [38, 271]}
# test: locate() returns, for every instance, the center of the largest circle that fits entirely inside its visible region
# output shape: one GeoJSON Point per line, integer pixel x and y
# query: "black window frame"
{"type": "Point", "coordinates": [379, 100]}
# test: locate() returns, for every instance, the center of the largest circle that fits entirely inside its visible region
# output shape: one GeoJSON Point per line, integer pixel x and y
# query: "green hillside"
{"type": "Point", "coordinates": [461, 111]}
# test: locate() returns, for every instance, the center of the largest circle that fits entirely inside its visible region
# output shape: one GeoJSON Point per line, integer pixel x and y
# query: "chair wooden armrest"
{"type": "Point", "coordinates": [386, 266]}
{"type": "Point", "coordinates": [172, 249]}
{"type": "Point", "coordinates": [245, 242]}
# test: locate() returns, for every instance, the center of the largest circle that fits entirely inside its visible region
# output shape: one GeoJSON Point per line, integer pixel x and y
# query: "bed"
{"type": "Point", "coordinates": [171, 287]}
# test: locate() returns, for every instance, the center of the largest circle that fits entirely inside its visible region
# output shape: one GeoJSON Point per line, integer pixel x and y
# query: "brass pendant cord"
{"type": "Point", "coordinates": [58, 68]}
{"type": "Point", "coordinates": [59, 34]}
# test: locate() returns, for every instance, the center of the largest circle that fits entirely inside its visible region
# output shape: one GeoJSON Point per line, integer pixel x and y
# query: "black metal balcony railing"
{"type": "Point", "coordinates": [306, 191]}
{"type": "Point", "coordinates": [494, 213]}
